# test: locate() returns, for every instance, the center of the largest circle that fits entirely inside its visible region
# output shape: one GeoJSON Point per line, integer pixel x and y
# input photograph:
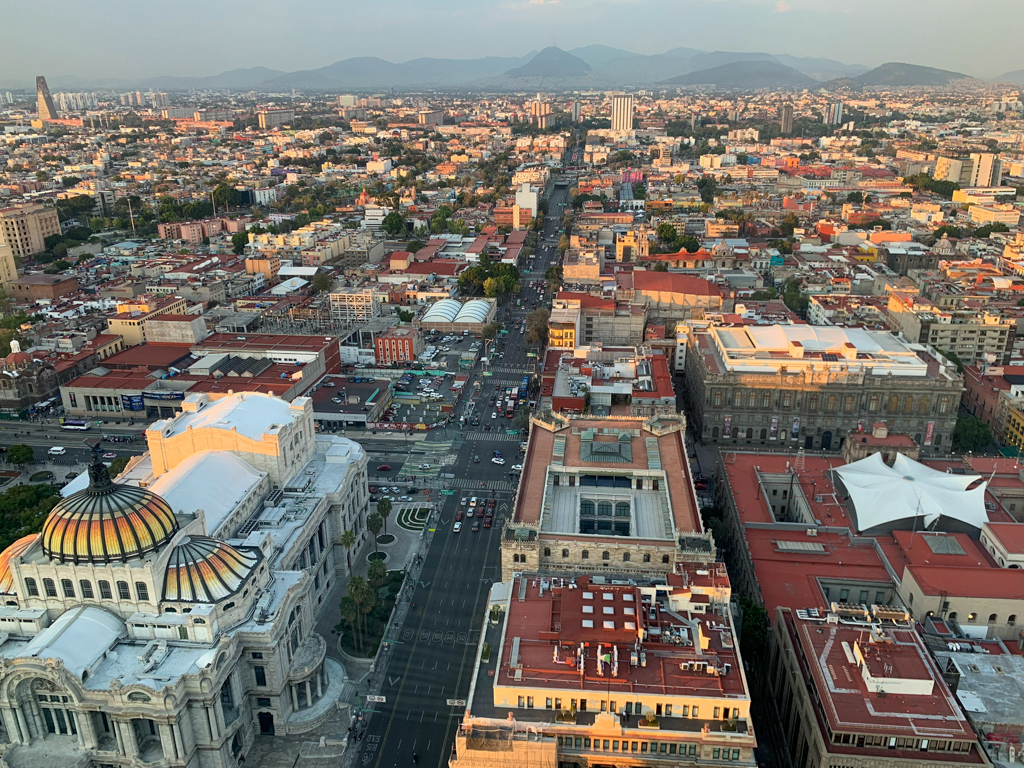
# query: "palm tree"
{"type": "Point", "coordinates": [374, 523]}
{"type": "Point", "coordinates": [350, 610]}
{"type": "Point", "coordinates": [348, 540]}
{"type": "Point", "coordinates": [376, 574]}
{"type": "Point", "coordinates": [384, 509]}
{"type": "Point", "coordinates": [359, 593]}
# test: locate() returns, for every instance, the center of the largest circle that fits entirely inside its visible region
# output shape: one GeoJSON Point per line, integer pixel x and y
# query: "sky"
{"type": "Point", "coordinates": [132, 39]}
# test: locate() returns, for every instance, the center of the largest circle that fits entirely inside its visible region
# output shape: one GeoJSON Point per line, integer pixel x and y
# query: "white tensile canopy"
{"type": "Point", "coordinates": [882, 495]}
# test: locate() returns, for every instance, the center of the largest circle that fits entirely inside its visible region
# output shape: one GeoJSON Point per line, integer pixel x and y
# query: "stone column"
{"type": "Point", "coordinates": [87, 727]}
{"type": "Point", "coordinates": [309, 696]}
{"type": "Point", "coordinates": [166, 741]}
{"type": "Point", "coordinates": [176, 735]}
{"type": "Point", "coordinates": [319, 683]}
{"type": "Point", "coordinates": [211, 716]}
{"type": "Point", "coordinates": [26, 735]}
{"type": "Point", "coordinates": [295, 698]}
{"type": "Point", "coordinates": [116, 728]}
{"type": "Point", "coordinates": [132, 742]}
{"type": "Point", "coordinates": [78, 727]}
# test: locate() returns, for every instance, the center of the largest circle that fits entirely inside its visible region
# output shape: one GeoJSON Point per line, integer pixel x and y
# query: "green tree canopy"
{"type": "Point", "coordinates": [20, 454]}
{"type": "Point", "coordinates": [394, 224]}
{"type": "Point", "coordinates": [238, 242]}
{"type": "Point", "coordinates": [23, 509]}
{"type": "Point", "coordinates": [971, 434]}
{"type": "Point", "coordinates": [322, 282]}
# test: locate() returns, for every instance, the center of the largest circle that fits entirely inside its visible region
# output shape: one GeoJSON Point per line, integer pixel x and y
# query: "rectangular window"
{"type": "Point", "coordinates": [257, 655]}
{"type": "Point", "coordinates": [716, 753]}
{"type": "Point", "coordinates": [122, 590]}
{"type": "Point", "coordinates": [262, 702]}
{"type": "Point", "coordinates": [522, 702]}
{"type": "Point", "coordinates": [105, 590]}
{"type": "Point", "coordinates": [261, 676]}
{"type": "Point", "coordinates": [547, 703]}
{"type": "Point", "coordinates": [735, 754]}
{"type": "Point", "coordinates": [141, 590]}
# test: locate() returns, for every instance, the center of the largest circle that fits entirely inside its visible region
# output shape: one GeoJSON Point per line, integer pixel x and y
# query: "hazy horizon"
{"type": "Point", "coordinates": [198, 39]}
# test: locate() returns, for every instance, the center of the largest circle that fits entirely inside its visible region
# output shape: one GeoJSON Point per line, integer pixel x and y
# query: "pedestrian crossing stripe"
{"type": "Point", "coordinates": [492, 437]}
{"type": "Point", "coordinates": [490, 485]}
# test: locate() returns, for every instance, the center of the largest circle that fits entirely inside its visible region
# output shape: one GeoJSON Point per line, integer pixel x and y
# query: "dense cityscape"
{"type": "Point", "coordinates": [334, 403]}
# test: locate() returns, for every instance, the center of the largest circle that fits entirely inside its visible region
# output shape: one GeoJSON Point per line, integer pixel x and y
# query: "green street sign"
{"type": "Point", "coordinates": [511, 431]}
{"type": "Point", "coordinates": [447, 493]}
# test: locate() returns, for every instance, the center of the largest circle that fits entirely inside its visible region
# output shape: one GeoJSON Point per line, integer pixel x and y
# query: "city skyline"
{"type": "Point", "coordinates": [496, 28]}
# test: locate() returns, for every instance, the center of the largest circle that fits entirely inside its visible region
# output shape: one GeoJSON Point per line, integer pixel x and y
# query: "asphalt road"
{"type": "Point", "coordinates": [432, 660]}
{"type": "Point", "coordinates": [78, 445]}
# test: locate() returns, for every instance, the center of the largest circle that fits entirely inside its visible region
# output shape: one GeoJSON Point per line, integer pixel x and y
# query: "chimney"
{"type": "Point", "coordinates": [796, 349]}
{"type": "Point", "coordinates": [849, 351]}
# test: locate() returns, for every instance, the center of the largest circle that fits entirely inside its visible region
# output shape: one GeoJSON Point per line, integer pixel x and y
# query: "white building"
{"type": "Point", "coordinates": [622, 112]}
{"type": "Point", "coordinates": [168, 618]}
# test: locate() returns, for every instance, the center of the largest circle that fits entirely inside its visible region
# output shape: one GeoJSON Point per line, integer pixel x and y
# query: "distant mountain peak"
{"type": "Point", "coordinates": [552, 62]}
{"type": "Point", "coordinates": [747, 75]}
{"type": "Point", "coordinates": [898, 73]}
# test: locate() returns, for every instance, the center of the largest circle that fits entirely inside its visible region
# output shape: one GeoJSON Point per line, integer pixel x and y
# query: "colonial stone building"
{"type": "Point", "coordinates": [168, 618]}
{"type": "Point", "coordinates": [610, 495]}
{"type": "Point", "coordinates": [784, 387]}
{"type": "Point", "coordinates": [25, 381]}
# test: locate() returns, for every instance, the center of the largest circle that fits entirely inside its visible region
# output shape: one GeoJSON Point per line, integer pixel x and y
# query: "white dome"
{"type": "Point", "coordinates": [443, 311]}
{"type": "Point", "coordinates": [473, 311]}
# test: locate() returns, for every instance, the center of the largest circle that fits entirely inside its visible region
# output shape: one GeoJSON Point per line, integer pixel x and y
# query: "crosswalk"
{"type": "Point", "coordinates": [522, 371]}
{"type": "Point", "coordinates": [493, 437]}
{"type": "Point", "coordinates": [491, 485]}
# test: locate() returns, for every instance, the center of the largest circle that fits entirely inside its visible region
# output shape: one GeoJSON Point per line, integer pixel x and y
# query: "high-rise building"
{"type": "Point", "coordinates": [44, 103]}
{"type": "Point", "coordinates": [272, 118]}
{"type": "Point", "coordinates": [8, 268]}
{"type": "Point", "coordinates": [786, 118]}
{"type": "Point", "coordinates": [987, 170]}
{"type": "Point", "coordinates": [576, 112]}
{"type": "Point", "coordinates": [622, 112]}
{"type": "Point", "coordinates": [26, 227]}
{"type": "Point", "coordinates": [834, 113]}
{"type": "Point", "coordinates": [540, 112]}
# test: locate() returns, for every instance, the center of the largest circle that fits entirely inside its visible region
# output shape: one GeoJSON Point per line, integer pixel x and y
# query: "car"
{"type": "Point", "coordinates": [384, 468]}
{"type": "Point", "coordinates": [469, 512]}
{"type": "Point", "coordinates": [492, 503]}
{"type": "Point", "coordinates": [464, 501]}
{"type": "Point", "coordinates": [109, 455]}
{"type": "Point", "coordinates": [487, 521]}
{"type": "Point", "coordinates": [457, 527]}
{"type": "Point", "coordinates": [497, 461]}
{"type": "Point", "coordinates": [497, 454]}
{"type": "Point", "coordinates": [424, 466]}
{"type": "Point", "coordinates": [517, 467]}
{"type": "Point", "coordinates": [458, 515]}
{"type": "Point", "coordinates": [405, 498]}
{"type": "Point", "coordinates": [472, 502]}
{"type": "Point", "coordinates": [701, 485]}
{"type": "Point", "coordinates": [476, 526]}
{"type": "Point", "coordinates": [413, 490]}
{"type": "Point", "coordinates": [494, 414]}
{"type": "Point", "coordinates": [372, 489]}
{"type": "Point", "coordinates": [389, 498]}
{"type": "Point", "coordinates": [396, 490]}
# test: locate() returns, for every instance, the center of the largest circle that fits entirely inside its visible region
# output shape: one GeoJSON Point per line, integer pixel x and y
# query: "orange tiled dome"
{"type": "Point", "coordinates": [107, 522]}
{"type": "Point", "coordinates": [12, 551]}
{"type": "Point", "coordinates": [205, 570]}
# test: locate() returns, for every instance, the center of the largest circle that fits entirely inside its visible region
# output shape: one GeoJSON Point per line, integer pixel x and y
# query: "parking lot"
{"type": "Point", "coordinates": [451, 351]}
{"type": "Point", "coordinates": [426, 399]}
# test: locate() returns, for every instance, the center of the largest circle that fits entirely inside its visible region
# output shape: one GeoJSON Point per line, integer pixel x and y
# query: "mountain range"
{"type": "Point", "coordinates": [591, 66]}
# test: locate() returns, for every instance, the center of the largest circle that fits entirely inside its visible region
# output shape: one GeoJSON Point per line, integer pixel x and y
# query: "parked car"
{"type": "Point", "coordinates": [517, 467]}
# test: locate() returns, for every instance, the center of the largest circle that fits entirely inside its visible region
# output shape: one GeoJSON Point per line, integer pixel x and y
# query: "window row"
{"type": "Point", "coordinates": [585, 555]}
{"type": "Point", "coordinates": [604, 508]}
{"type": "Point", "coordinates": [830, 403]}
{"type": "Point", "coordinates": [67, 587]}
{"type": "Point", "coordinates": [643, 747]}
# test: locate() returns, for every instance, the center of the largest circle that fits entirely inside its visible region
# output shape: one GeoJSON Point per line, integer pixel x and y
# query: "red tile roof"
{"type": "Point", "coordinates": [673, 282]}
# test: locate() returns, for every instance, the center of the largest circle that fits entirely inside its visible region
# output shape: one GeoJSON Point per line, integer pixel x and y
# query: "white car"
{"type": "Point", "coordinates": [424, 466]}
{"type": "Point", "coordinates": [457, 527]}
{"type": "Point", "coordinates": [464, 501]}
{"type": "Point", "coordinates": [496, 460]}
{"type": "Point", "coordinates": [405, 498]}
{"type": "Point", "coordinates": [494, 415]}
{"type": "Point", "coordinates": [472, 502]}
{"type": "Point", "coordinates": [396, 490]}
{"type": "Point", "coordinates": [517, 467]}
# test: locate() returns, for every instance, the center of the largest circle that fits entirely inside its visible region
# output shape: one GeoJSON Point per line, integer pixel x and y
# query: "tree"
{"type": "Point", "coordinates": [374, 523]}
{"type": "Point", "coordinates": [521, 421]}
{"type": "Point", "coordinates": [117, 466]}
{"type": "Point", "coordinates": [490, 330]}
{"type": "Point", "coordinates": [406, 315]}
{"type": "Point", "coordinates": [238, 242]}
{"type": "Point", "coordinates": [688, 243]}
{"type": "Point", "coordinates": [384, 509]}
{"type": "Point", "coordinates": [661, 266]}
{"type": "Point", "coordinates": [855, 197]}
{"type": "Point", "coordinates": [954, 359]}
{"type": "Point", "coordinates": [492, 288]}
{"type": "Point", "coordinates": [350, 611]}
{"type": "Point", "coordinates": [23, 509]}
{"type": "Point", "coordinates": [948, 230]}
{"type": "Point", "coordinates": [348, 540]}
{"type": "Point", "coordinates": [376, 575]}
{"type": "Point", "coordinates": [563, 245]}
{"type": "Point", "coordinates": [971, 434]}
{"type": "Point", "coordinates": [793, 296]}
{"type": "Point", "coordinates": [322, 282]}
{"type": "Point", "coordinates": [988, 229]}
{"type": "Point", "coordinates": [666, 232]}
{"type": "Point", "coordinates": [393, 224]}
{"type": "Point", "coordinates": [537, 326]}
{"type": "Point", "coordinates": [20, 454]}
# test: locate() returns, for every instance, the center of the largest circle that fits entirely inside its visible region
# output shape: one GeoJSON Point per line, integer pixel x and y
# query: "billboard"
{"type": "Point", "coordinates": [132, 403]}
{"type": "Point", "coordinates": [164, 395]}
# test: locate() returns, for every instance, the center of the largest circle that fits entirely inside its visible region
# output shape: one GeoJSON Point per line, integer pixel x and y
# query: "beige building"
{"type": "Point", "coordinates": [130, 321]}
{"type": "Point", "coordinates": [8, 267]}
{"type": "Point", "coordinates": [25, 228]}
{"type": "Point", "coordinates": [971, 335]}
{"type": "Point", "coordinates": [583, 266]}
{"type": "Point", "coordinates": [579, 320]}
{"type": "Point", "coordinates": [633, 245]}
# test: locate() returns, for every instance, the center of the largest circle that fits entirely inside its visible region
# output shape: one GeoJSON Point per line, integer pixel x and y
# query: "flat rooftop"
{"type": "Point", "coordinates": [605, 457]}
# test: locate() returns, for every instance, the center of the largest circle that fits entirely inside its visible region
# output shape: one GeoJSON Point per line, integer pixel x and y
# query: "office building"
{"type": "Point", "coordinates": [622, 112]}
{"type": "Point", "coordinates": [8, 267]}
{"type": "Point", "coordinates": [274, 118]}
{"type": "Point", "coordinates": [576, 112]}
{"type": "Point", "coordinates": [431, 117]}
{"type": "Point", "coordinates": [165, 643]}
{"type": "Point", "coordinates": [786, 118]}
{"type": "Point", "coordinates": [970, 334]}
{"type": "Point", "coordinates": [25, 227]}
{"type": "Point", "coordinates": [834, 113]}
{"type": "Point", "coordinates": [798, 386]}
{"type": "Point", "coordinates": [595, 672]}
{"type": "Point", "coordinates": [398, 345]}
{"type": "Point", "coordinates": [580, 319]}
{"type": "Point", "coordinates": [45, 109]}
{"type": "Point", "coordinates": [604, 495]}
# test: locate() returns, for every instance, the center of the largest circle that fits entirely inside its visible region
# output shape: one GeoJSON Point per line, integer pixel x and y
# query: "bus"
{"type": "Point", "coordinates": [509, 409]}
{"type": "Point", "coordinates": [524, 387]}
{"type": "Point", "coordinates": [75, 425]}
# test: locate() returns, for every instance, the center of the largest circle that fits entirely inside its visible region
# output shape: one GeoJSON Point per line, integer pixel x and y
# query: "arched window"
{"type": "Point", "coordinates": [565, 553]}
{"type": "Point", "coordinates": [547, 551]}
{"type": "Point", "coordinates": [647, 558]}
{"type": "Point", "coordinates": [764, 434]}
{"type": "Point", "coordinates": [86, 586]}
{"type": "Point", "coordinates": [585, 554]}
{"type": "Point", "coordinates": [142, 590]}
{"type": "Point", "coordinates": [1011, 619]}
{"type": "Point", "coordinates": [830, 404]}
{"type": "Point", "coordinates": [170, 610]}
{"type": "Point", "coordinates": [30, 585]}
{"type": "Point", "coordinates": [49, 588]}
{"type": "Point", "coordinates": [604, 508]}
{"type": "Point", "coordinates": [622, 509]}
{"type": "Point", "coordinates": [750, 433]}
{"type": "Point", "coordinates": [68, 587]}
{"type": "Point", "coordinates": [625, 557]}
{"type": "Point", "coordinates": [952, 616]}
{"type": "Point", "coordinates": [735, 432]}
{"type": "Point", "coordinates": [606, 555]}
{"type": "Point", "coordinates": [923, 405]}
{"type": "Point", "coordinates": [105, 593]}
{"type": "Point", "coordinates": [894, 404]}
{"type": "Point", "coordinates": [991, 618]}
{"type": "Point", "coordinates": [908, 404]}
{"type": "Point", "coordinates": [664, 559]}
{"type": "Point", "coordinates": [122, 591]}
{"type": "Point", "coordinates": [586, 507]}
